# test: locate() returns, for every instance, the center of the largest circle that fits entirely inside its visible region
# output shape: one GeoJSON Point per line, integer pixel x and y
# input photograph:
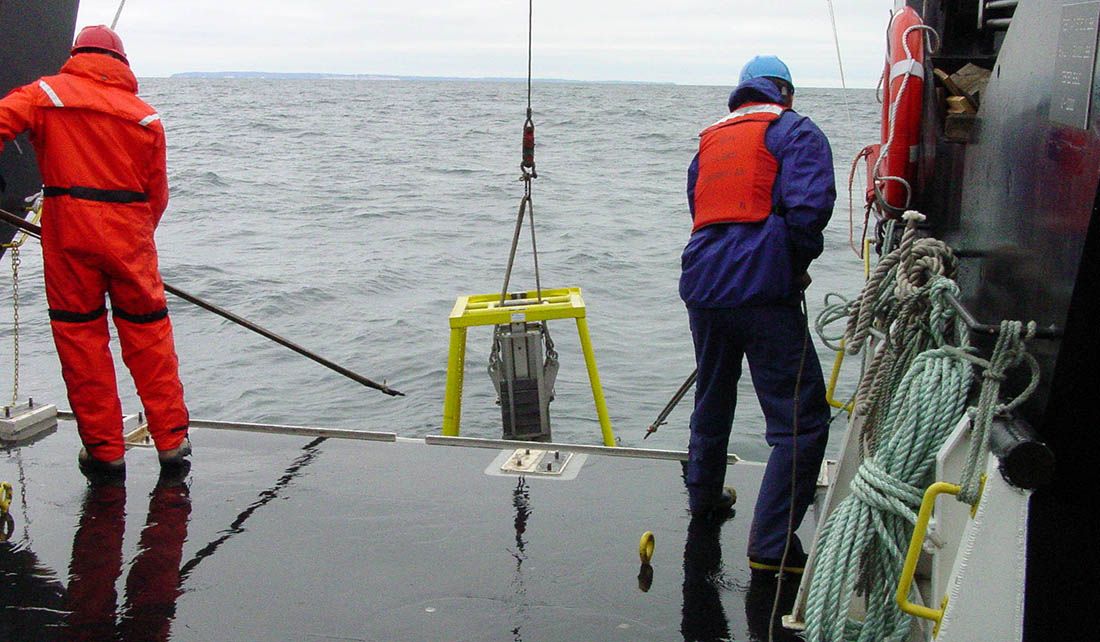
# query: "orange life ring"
{"type": "Point", "coordinates": [903, 89]}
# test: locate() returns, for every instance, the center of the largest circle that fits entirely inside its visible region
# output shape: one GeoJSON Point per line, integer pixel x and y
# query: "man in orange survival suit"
{"type": "Point", "coordinates": [101, 153]}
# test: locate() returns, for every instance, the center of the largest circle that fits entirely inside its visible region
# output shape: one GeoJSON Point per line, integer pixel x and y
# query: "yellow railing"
{"type": "Point", "coordinates": [831, 389]}
{"type": "Point", "coordinates": [905, 583]}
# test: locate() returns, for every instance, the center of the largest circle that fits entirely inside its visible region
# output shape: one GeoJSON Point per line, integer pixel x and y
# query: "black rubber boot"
{"type": "Point", "coordinates": [722, 508]}
{"type": "Point", "coordinates": [98, 471]}
{"type": "Point", "coordinates": [177, 455]}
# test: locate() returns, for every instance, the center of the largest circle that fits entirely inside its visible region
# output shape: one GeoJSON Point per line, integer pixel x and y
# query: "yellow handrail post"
{"type": "Point", "coordinates": [594, 380]}
{"type": "Point", "coordinates": [831, 389]}
{"type": "Point", "coordinates": [905, 583]}
{"type": "Point", "coordinates": [452, 403]}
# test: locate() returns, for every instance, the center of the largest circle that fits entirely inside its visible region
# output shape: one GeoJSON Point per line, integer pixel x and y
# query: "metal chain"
{"type": "Point", "coordinates": [15, 324]}
{"type": "Point", "coordinates": [551, 353]}
{"type": "Point", "coordinates": [526, 207]}
{"type": "Point", "coordinates": [528, 172]}
{"type": "Point", "coordinates": [534, 247]}
{"type": "Point", "coordinates": [496, 363]}
{"type": "Point", "coordinates": [34, 205]}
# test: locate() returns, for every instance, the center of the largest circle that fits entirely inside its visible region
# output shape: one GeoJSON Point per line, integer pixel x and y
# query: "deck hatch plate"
{"type": "Point", "coordinates": [533, 462]}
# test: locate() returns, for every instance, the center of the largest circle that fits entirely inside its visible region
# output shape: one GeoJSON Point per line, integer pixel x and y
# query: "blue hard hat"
{"type": "Point", "coordinates": [766, 67]}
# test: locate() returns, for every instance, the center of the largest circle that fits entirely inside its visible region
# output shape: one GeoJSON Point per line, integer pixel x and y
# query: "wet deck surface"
{"type": "Point", "coordinates": [287, 538]}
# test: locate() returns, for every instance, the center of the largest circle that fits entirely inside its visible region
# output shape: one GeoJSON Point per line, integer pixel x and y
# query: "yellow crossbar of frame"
{"type": "Point", "coordinates": [522, 307]}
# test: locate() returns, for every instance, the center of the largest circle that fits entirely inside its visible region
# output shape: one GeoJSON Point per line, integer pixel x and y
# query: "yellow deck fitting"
{"type": "Point", "coordinates": [7, 523]}
{"type": "Point", "coordinates": [645, 547]}
{"type": "Point", "coordinates": [5, 498]}
{"type": "Point", "coordinates": [485, 309]}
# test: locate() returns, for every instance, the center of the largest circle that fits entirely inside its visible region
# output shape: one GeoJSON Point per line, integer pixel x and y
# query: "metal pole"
{"type": "Point", "coordinates": [1048, 332]}
{"type": "Point", "coordinates": [118, 13]}
{"type": "Point", "coordinates": [680, 392]}
{"type": "Point", "coordinates": [245, 323]}
{"type": "Point", "coordinates": [37, 231]}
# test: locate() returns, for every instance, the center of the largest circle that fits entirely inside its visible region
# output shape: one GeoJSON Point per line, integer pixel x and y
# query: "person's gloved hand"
{"type": "Point", "coordinates": [803, 281]}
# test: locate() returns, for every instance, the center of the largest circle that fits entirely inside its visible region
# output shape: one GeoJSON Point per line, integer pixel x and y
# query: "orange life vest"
{"type": "Point", "coordinates": [736, 170]}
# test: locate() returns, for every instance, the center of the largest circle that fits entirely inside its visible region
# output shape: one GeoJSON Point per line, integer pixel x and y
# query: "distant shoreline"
{"type": "Point", "coordinates": [321, 76]}
{"type": "Point", "coordinates": [275, 75]}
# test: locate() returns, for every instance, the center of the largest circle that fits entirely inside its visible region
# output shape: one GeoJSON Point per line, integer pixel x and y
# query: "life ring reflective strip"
{"type": "Point", "coordinates": [911, 67]}
{"type": "Point", "coordinates": [902, 106]}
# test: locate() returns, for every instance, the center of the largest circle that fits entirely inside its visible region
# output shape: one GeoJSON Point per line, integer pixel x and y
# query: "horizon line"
{"type": "Point", "coordinates": [310, 75]}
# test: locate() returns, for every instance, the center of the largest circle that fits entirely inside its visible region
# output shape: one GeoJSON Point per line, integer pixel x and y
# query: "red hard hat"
{"type": "Point", "coordinates": [99, 37]}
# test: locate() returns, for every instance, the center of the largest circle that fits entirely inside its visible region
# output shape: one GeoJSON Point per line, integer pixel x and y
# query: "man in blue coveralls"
{"type": "Point", "coordinates": [761, 191]}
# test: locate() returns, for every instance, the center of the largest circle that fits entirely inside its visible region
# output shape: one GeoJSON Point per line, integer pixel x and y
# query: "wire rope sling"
{"type": "Point", "coordinates": [523, 364]}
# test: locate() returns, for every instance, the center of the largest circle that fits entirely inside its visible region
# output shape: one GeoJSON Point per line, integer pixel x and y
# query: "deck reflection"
{"type": "Point", "coordinates": [279, 538]}
{"type": "Point", "coordinates": [153, 581]}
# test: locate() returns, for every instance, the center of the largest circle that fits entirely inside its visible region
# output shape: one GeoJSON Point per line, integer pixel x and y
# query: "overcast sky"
{"type": "Point", "coordinates": [681, 41]}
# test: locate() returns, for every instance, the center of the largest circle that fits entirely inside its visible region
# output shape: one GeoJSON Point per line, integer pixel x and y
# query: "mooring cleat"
{"type": "Point", "coordinates": [175, 457]}
{"type": "Point", "coordinates": [99, 471]}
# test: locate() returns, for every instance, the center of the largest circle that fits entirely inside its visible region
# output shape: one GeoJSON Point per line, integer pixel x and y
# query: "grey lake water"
{"type": "Point", "coordinates": [348, 215]}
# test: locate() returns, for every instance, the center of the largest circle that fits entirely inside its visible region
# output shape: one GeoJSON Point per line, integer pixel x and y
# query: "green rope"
{"type": "Point", "coordinates": [896, 300]}
{"type": "Point", "coordinates": [1008, 352]}
{"type": "Point", "coordinates": [865, 537]}
{"type": "Point", "coordinates": [912, 394]}
{"type": "Point", "coordinates": [832, 312]}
